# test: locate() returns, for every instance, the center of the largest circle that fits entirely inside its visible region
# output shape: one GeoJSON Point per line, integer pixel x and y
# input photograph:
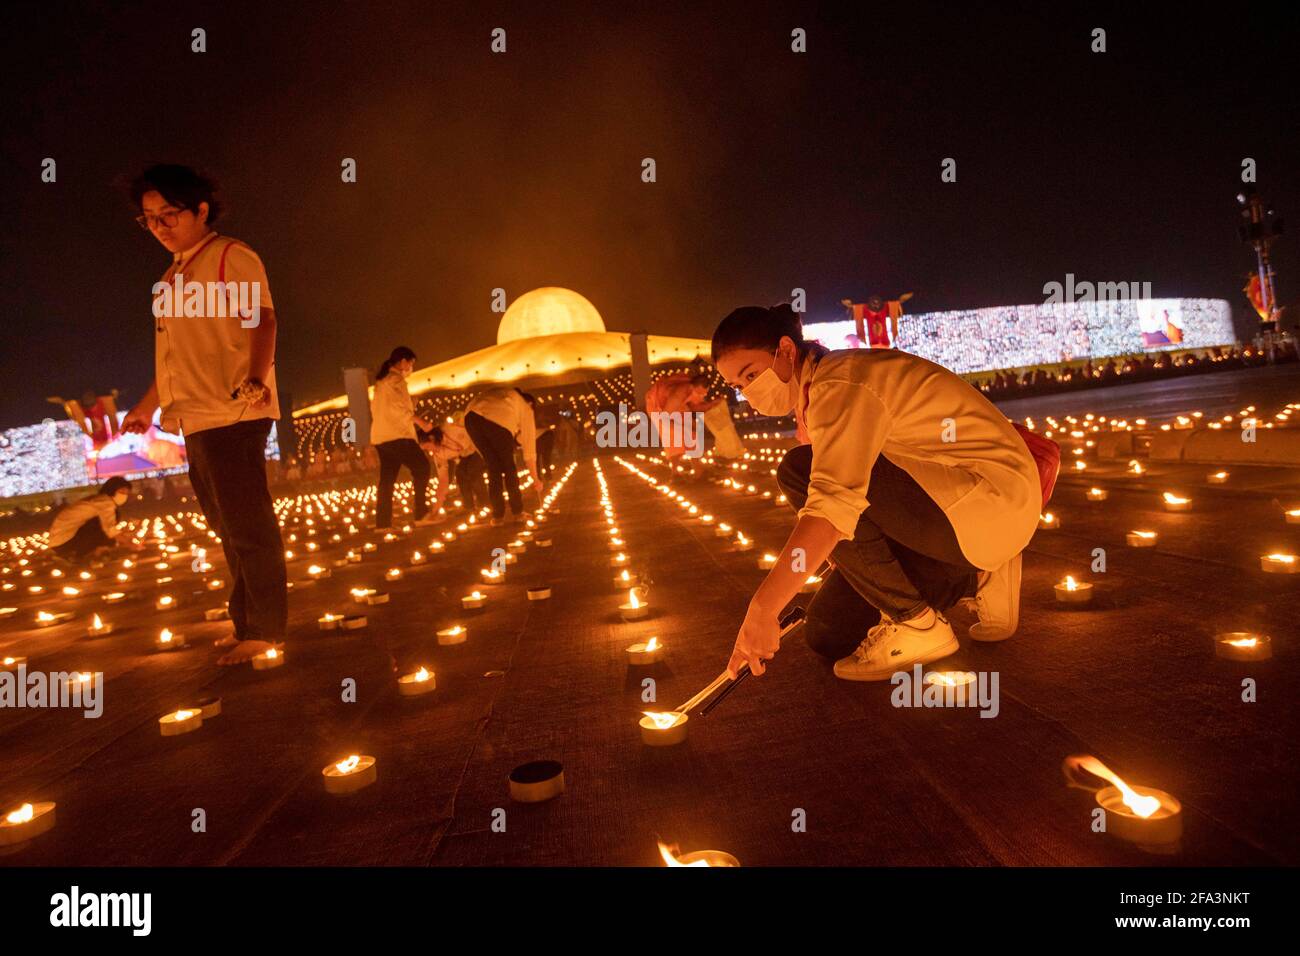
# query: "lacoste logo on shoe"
{"type": "Point", "coordinates": [895, 652]}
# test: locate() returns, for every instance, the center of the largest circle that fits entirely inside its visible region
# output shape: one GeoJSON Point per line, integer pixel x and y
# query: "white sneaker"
{"type": "Point", "coordinates": [890, 647]}
{"type": "Point", "coordinates": [997, 602]}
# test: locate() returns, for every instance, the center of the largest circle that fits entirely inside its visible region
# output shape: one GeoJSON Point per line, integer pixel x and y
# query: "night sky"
{"type": "Point", "coordinates": [517, 170]}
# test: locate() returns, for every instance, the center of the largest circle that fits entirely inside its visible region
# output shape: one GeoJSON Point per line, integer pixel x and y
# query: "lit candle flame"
{"type": "Point", "coordinates": [652, 644]}
{"type": "Point", "coordinates": [1071, 584]}
{"type": "Point", "coordinates": [1142, 806]}
{"type": "Point", "coordinates": [97, 623]}
{"type": "Point", "coordinates": [1145, 534]}
{"type": "Point", "coordinates": [670, 858]}
{"type": "Point", "coordinates": [632, 598]}
{"type": "Point", "coordinates": [1173, 499]}
{"type": "Point", "coordinates": [184, 714]}
{"type": "Point", "coordinates": [23, 814]}
{"type": "Point", "coordinates": [422, 675]}
{"type": "Point", "coordinates": [1244, 642]}
{"type": "Point", "coordinates": [663, 719]}
{"type": "Point", "coordinates": [1283, 558]}
{"type": "Point", "coordinates": [165, 637]}
{"type": "Point", "coordinates": [349, 765]}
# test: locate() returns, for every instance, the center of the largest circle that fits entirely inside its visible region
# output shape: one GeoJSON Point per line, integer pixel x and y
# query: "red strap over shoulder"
{"type": "Point", "coordinates": [1047, 456]}
{"type": "Point", "coordinates": [221, 266]}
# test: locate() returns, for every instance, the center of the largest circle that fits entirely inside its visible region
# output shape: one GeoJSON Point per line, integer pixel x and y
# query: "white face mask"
{"type": "Point", "coordinates": [768, 395]}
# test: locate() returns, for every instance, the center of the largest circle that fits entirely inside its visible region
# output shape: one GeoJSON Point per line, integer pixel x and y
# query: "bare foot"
{"type": "Point", "coordinates": [245, 651]}
{"type": "Point", "coordinates": [228, 641]}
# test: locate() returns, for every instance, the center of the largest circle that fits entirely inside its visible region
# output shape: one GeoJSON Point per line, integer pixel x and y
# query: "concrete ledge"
{"type": "Point", "coordinates": [1115, 445]}
{"type": "Point", "coordinates": [1272, 446]}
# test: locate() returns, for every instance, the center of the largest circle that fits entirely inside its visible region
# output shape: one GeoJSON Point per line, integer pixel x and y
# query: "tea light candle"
{"type": "Point", "coordinates": [46, 619]}
{"type": "Point", "coordinates": [218, 613]}
{"type": "Point", "coordinates": [492, 576]}
{"type": "Point", "coordinates": [393, 574]}
{"type": "Point", "coordinates": [644, 654]}
{"type": "Point", "coordinates": [180, 722]}
{"type": "Point", "coordinates": [1141, 539]}
{"type": "Point", "coordinates": [955, 684]}
{"type": "Point", "coordinates": [1174, 502]}
{"type": "Point", "coordinates": [98, 628]}
{"type": "Point", "coordinates": [1279, 563]}
{"type": "Point", "coordinates": [209, 707]}
{"type": "Point", "coordinates": [417, 684]}
{"type": "Point", "coordinates": [626, 579]}
{"type": "Point", "coordinates": [215, 584]}
{"type": "Point", "coordinates": [329, 621]}
{"type": "Point", "coordinates": [7, 612]}
{"type": "Point", "coordinates": [1217, 478]}
{"type": "Point", "coordinates": [1071, 591]}
{"type": "Point", "coordinates": [516, 546]}
{"type": "Point", "coordinates": [542, 542]}
{"type": "Point", "coordinates": [353, 622]}
{"type": "Point", "coordinates": [453, 635]}
{"type": "Point", "coordinates": [114, 597]}
{"type": "Point", "coordinates": [26, 822]}
{"type": "Point", "coordinates": [1243, 646]}
{"type": "Point", "coordinates": [1293, 516]}
{"type": "Point", "coordinates": [349, 775]}
{"type": "Point", "coordinates": [474, 600]}
{"type": "Point", "coordinates": [634, 609]}
{"type": "Point", "coordinates": [12, 663]}
{"type": "Point", "coordinates": [539, 594]}
{"type": "Point", "coordinates": [618, 560]}
{"type": "Point", "coordinates": [362, 595]}
{"type": "Point", "coordinates": [417, 558]}
{"type": "Point", "coordinates": [377, 597]}
{"type": "Point", "coordinates": [663, 729]}
{"type": "Point", "coordinates": [165, 602]}
{"type": "Point", "coordinates": [767, 562]}
{"type": "Point", "coordinates": [315, 572]}
{"type": "Point", "coordinates": [1048, 522]}
{"type": "Point", "coordinates": [537, 781]}
{"type": "Point", "coordinates": [167, 641]}
{"type": "Point", "coordinates": [1098, 494]}
{"type": "Point", "coordinates": [706, 519]}
{"type": "Point", "coordinates": [810, 584]}
{"type": "Point", "coordinates": [743, 543]}
{"type": "Point", "coordinates": [268, 660]}
{"type": "Point", "coordinates": [1150, 818]}
{"type": "Point", "coordinates": [723, 530]}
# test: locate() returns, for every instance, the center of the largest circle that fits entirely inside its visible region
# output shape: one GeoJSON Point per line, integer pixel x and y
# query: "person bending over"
{"type": "Point", "coordinates": [914, 486]}
{"type": "Point", "coordinates": [84, 528]}
{"type": "Point", "coordinates": [392, 431]}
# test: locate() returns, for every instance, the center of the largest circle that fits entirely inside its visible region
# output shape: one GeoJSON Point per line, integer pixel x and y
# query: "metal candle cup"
{"type": "Point", "coordinates": [168, 641]}
{"type": "Point", "coordinates": [473, 601]}
{"type": "Point", "coordinates": [26, 822]}
{"type": "Point", "coordinates": [1173, 502]}
{"type": "Point", "coordinates": [453, 635]}
{"type": "Point", "coordinates": [98, 628]}
{"type": "Point", "coordinates": [350, 774]}
{"type": "Point", "coordinates": [1141, 539]}
{"type": "Point", "coordinates": [1279, 563]}
{"type": "Point", "coordinates": [329, 621]}
{"type": "Point", "coordinates": [626, 579]}
{"type": "Point", "coordinates": [180, 722]}
{"type": "Point", "coordinates": [663, 729]}
{"type": "Point", "coordinates": [539, 594]}
{"type": "Point", "coordinates": [955, 684]}
{"type": "Point", "coordinates": [1158, 833]}
{"type": "Point", "coordinates": [417, 683]}
{"type": "Point", "coordinates": [635, 609]}
{"type": "Point", "coordinates": [269, 660]}
{"type": "Point", "coordinates": [1243, 646]}
{"type": "Point", "coordinates": [1071, 591]}
{"type": "Point", "coordinates": [645, 653]}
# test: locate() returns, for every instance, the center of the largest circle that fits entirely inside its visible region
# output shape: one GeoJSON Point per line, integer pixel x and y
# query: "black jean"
{"type": "Point", "coordinates": [89, 538]}
{"type": "Point", "coordinates": [469, 479]}
{"type": "Point", "coordinates": [392, 456]}
{"type": "Point", "coordinates": [228, 472]}
{"type": "Point", "coordinates": [497, 446]}
{"type": "Point", "coordinates": [902, 558]}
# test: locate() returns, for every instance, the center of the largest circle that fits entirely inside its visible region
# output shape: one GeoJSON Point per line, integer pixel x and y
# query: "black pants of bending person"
{"type": "Point", "coordinates": [228, 472]}
{"type": "Point", "coordinates": [469, 479]}
{"type": "Point", "coordinates": [497, 446]}
{"type": "Point", "coordinates": [89, 538]}
{"type": "Point", "coordinates": [902, 558]}
{"type": "Point", "coordinates": [392, 456]}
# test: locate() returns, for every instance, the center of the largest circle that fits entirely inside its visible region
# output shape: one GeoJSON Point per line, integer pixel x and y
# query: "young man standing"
{"type": "Point", "coordinates": [215, 382]}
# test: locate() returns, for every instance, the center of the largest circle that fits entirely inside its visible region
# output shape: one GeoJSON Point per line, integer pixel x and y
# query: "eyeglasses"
{"type": "Point", "coordinates": [166, 220]}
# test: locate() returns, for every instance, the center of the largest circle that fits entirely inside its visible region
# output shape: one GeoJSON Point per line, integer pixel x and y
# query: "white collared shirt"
{"type": "Point", "coordinates": [392, 413]}
{"type": "Point", "coordinates": [507, 408]}
{"type": "Point", "coordinates": [200, 360]}
{"type": "Point", "coordinates": [928, 421]}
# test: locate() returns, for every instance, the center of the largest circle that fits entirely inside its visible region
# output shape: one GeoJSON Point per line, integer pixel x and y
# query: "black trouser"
{"type": "Point", "coordinates": [902, 558]}
{"type": "Point", "coordinates": [469, 479]}
{"type": "Point", "coordinates": [88, 538]}
{"type": "Point", "coordinates": [497, 446]}
{"type": "Point", "coordinates": [228, 472]}
{"type": "Point", "coordinates": [392, 456]}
